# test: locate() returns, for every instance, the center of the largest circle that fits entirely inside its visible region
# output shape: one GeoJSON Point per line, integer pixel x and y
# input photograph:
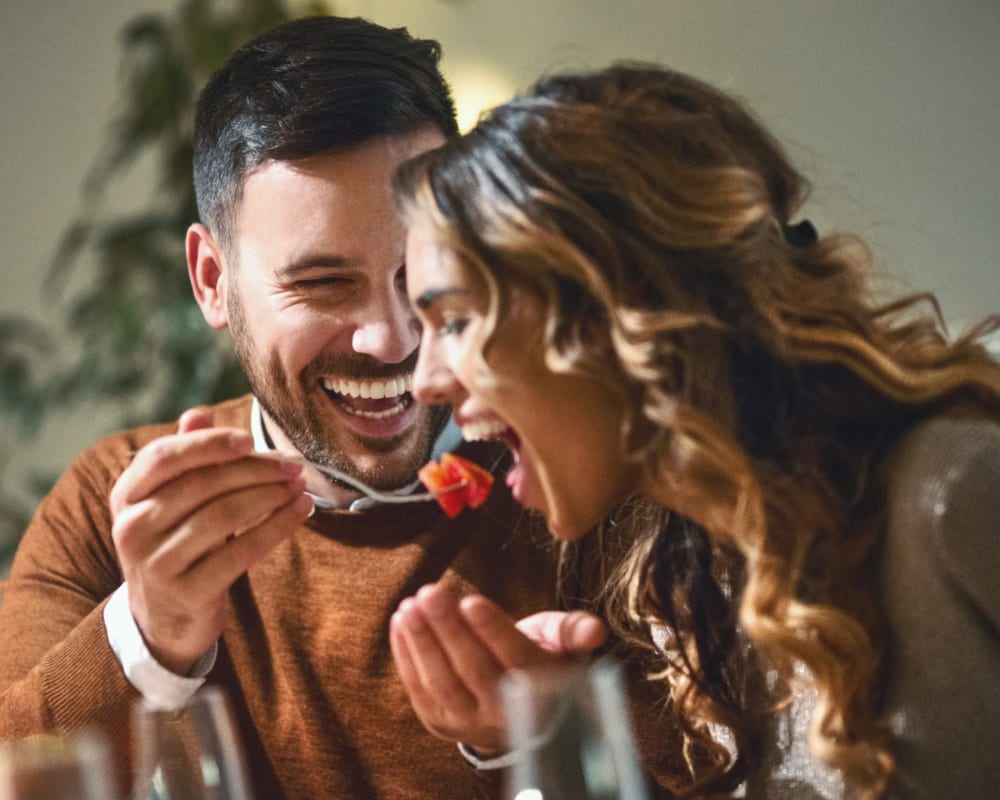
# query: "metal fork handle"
{"type": "Point", "coordinates": [361, 486]}
{"type": "Point", "coordinates": [364, 488]}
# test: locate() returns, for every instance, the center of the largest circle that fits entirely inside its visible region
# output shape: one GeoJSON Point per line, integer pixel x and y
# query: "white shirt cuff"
{"type": "Point", "coordinates": [158, 685]}
{"type": "Point", "coordinates": [497, 762]}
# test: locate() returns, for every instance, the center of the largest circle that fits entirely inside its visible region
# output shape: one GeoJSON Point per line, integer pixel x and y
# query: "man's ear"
{"type": "Point", "coordinates": [207, 271]}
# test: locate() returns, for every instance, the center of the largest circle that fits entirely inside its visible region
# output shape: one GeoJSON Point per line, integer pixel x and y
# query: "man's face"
{"type": "Point", "coordinates": [316, 300]}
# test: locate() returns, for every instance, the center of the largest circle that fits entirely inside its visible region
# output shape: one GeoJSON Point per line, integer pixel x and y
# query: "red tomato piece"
{"type": "Point", "coordinates": [435, 478]}
{"type": "Point", "coordinates": [478, 481]}
{"type": "Point", "coordinates": [453, 470]}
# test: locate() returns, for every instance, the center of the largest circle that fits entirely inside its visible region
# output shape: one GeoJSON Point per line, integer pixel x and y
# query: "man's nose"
{"type": "Point", "coordinates": [390, 332]}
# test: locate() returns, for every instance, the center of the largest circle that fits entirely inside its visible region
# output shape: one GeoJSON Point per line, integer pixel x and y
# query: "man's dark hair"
{"type": "Point", "coordinates": [307, 87]}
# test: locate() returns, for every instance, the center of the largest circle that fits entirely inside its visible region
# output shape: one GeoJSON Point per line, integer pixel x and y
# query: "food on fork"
{"type": "Point", "coordinates": [454, 470]}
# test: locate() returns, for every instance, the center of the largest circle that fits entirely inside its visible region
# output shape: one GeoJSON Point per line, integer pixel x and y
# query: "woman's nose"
{"type": "Point", "coordinates": [433, 381]}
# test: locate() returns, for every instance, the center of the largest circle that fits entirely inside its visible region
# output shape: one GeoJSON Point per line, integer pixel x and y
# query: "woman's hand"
{"type": "Point", "coordinates": [451, 654]}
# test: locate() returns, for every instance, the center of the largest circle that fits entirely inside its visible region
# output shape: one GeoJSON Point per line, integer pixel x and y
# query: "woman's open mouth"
{"type": "Point", "coordinates": [496, 430]}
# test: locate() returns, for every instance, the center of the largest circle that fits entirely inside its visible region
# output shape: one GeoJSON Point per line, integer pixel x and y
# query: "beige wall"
{"type": "Point", "coordinates": [891, 106]}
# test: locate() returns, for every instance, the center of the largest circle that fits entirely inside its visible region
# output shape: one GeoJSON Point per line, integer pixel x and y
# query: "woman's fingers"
{"type": "Point", "coordinates": [535, 640]}
{"type": "Point", "coordinates": [439, 698]}
{"type": "Point", "coordinates": [566, 633]}
{"type": "Point", "coordinates": [440, 680]}
{"type": "Point", "coordinates": [451, 654]}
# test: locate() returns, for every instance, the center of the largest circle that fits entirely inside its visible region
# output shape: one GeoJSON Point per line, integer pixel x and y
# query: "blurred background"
{"type": "Point", "coordinates": [891, 108]}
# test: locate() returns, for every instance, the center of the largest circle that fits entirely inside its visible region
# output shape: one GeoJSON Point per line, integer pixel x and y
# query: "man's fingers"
{"type": "Point", "coordinates": [164, 459]}
{"type": "Point", "coordinates": [188, 494]}
{"type": "Point", "coordinates": [216, 572]}
{"type": "Point", "coordinates": [179, 605]}
{"type": "Point", "coordinates": [205, 530]}
{"type": "Point", "coordinates": [194, 419]}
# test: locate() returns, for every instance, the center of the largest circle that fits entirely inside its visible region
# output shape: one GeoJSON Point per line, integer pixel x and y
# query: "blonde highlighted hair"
{"type": "Point", "coordinates": [653, 216]}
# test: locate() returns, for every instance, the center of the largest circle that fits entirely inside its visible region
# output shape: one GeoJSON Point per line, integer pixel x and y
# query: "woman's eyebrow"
{"type": "Point", "coordinates": [431, 296]}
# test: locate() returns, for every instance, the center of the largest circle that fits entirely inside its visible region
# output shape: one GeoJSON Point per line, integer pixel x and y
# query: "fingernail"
{"type": "Point", "coordinates": [240, 443]}
{"type": "Point", "coordinates": [291, 467]}
{"type": "Point", "coordinates": [304, 505]}
{"type": "Point", "coordinates": [438, 604]}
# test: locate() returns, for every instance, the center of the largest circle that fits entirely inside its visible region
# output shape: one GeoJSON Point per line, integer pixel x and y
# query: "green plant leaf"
{"type": "Point", "coordinates": [130, 338]}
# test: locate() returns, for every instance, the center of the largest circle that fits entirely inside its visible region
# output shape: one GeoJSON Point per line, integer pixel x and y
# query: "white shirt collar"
{"type": "Point", "coordinates": [449, 439]}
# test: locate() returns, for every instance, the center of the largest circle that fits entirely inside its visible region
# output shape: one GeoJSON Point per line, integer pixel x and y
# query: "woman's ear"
{"type": "Point", "coordinates": [206, 269]}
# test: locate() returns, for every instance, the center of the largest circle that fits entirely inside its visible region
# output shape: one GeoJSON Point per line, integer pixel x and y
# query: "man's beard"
{"type": "Point", "coordinates": [295, 408]}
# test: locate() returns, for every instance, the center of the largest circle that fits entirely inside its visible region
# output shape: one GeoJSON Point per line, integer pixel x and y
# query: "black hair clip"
{"type": "Point", "coordinates": [801, 234]}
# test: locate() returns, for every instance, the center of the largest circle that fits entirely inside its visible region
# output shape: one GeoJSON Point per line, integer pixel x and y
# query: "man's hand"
{"type": "Point", "coordinates": [192, 513]}
{"type": "Point", "coordinates": [450, 656]}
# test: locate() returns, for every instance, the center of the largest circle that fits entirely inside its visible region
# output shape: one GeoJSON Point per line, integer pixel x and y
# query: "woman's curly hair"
{"type": "Point", "coordinates": [655, 218]}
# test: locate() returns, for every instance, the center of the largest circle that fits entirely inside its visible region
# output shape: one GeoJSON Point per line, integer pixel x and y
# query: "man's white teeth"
{"type": "Point", "coordinates": [396, 409]}
{"type": "Point", "coordinates": [374, 390]}
{"type": "Point", "coordinates": [482, 429]}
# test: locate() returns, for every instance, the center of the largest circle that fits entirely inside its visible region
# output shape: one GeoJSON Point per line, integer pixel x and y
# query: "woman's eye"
{"type": "Point", "coordinates": [453, 327]}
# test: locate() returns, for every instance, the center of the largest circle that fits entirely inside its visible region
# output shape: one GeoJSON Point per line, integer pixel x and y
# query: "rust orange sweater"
{"type": "Point", "coordinates": [304, 655]}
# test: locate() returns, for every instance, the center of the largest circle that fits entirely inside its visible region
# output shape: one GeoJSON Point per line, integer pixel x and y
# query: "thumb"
{"type": "Point", "coordinates": [564, 632]}
{"type": "Point", "coordinates": [194, 419]}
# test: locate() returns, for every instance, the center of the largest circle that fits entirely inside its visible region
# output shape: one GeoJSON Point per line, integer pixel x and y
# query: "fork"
{"type": "Point", "coordinates": [350, 480]}
{"type": "Point", "coordinates": [361, 486]}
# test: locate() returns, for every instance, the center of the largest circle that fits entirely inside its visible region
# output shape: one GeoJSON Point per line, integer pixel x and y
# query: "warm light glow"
{"type": "Point", "coordinates": [477, 87]}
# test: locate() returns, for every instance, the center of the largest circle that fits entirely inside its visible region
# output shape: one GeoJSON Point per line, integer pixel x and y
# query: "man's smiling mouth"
{"type": "Point", "coordinates": [371, 399]}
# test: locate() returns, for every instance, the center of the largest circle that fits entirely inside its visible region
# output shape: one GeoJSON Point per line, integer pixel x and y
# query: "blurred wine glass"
{"type": "Point", "coordinates": [76, 767]}
{"type": "Point", "coordinates": [190, 753]}
{"type": "Point", "coordinates": [569, 730]}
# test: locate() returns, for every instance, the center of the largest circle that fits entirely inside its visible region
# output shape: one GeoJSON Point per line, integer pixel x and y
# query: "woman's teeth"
{"type": "Point", "coordinates": [374, 390]}
{"type": "Point", "coordinates": [482, 429]}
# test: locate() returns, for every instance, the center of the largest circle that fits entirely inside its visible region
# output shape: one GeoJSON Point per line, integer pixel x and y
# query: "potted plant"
{"type": "Point", "coordinates": [127, 337]}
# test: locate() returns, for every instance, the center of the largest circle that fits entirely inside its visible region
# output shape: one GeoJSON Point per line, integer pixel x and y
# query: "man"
{"type": "Point", "coordinates": [169, 556]}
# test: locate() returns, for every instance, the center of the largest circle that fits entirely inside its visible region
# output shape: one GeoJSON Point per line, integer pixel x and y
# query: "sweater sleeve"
{"type": "Point", "coordinates": [942, 701]}
{"type": "Point", "coordinates": [965, 519]}
{"type": "Point", "coordinates": [57, 670]}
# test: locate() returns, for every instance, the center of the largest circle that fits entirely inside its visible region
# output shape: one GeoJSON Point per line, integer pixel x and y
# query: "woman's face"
{"type": "Point", "coordinates": [562, 429]}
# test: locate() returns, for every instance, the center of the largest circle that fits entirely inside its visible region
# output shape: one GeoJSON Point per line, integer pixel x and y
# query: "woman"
{"type": "Point", "coordinates": [789, 491]}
